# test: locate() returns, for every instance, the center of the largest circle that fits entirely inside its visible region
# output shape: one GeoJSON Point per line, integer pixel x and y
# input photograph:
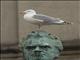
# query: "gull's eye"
{"type": "Point", "coordinates": [28, 11]}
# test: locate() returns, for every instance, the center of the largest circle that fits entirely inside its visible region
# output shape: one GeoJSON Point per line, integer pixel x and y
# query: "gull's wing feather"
{"type": "Point", "coordinates": [48, 19]}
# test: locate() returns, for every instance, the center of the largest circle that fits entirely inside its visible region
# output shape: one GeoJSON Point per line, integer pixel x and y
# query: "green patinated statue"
{"type": "Point", "coordinates": [40, 45]}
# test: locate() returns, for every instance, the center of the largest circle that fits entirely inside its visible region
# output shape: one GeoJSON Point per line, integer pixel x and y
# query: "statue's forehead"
{"type": "Point", "coordinates": [39, 41]}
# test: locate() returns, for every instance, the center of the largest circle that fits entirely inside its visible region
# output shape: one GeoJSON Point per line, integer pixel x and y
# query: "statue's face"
{"type": "Point", "coordinates": [40, 49]}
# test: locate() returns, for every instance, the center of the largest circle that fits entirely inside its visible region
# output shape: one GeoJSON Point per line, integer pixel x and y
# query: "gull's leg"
{"type": "Point", "coordinates": [39, 26]}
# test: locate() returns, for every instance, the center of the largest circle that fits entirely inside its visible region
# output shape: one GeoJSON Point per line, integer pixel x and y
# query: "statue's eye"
{"type": "Point", "coordinates": [46, 46]}
{"type": "Point", "coordinates": [30, 47]}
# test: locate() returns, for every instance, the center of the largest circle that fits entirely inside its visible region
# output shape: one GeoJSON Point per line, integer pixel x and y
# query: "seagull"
{"type": "Point", "coordinates": [32, 17]}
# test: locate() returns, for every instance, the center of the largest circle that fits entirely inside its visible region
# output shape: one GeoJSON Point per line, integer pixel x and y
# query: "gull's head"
{"type": "Point", "coordinates": [30, 11]}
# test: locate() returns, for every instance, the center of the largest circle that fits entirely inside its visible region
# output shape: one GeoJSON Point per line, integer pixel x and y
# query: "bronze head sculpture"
{"type": "Point", "coordinates": [40, 45]}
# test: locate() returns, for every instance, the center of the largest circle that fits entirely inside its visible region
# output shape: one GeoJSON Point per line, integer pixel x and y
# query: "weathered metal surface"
{"type": "Point", "coordinates": [40, 45]}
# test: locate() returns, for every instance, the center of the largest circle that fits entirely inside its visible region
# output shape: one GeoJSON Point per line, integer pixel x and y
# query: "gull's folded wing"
{"type": "Point", "coordinates": [48, 19]}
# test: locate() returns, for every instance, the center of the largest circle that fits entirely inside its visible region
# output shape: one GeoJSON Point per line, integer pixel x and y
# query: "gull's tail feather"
{"type": "Point", "coordinates": [68, 22]}
{"type": "Point", "coordinates": [61, 23]}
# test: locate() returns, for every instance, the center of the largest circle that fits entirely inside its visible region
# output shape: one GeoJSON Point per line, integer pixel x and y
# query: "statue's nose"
{"type": "Point", "coordinates": [37, 49]}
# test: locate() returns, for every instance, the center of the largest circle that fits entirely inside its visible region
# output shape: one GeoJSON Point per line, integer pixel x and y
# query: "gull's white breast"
{"type": "Point", "coordinates": [29, 18]}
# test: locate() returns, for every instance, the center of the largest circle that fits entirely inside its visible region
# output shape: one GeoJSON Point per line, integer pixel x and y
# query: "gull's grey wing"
{"type": "Point", "coordinates": [48, 19]}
